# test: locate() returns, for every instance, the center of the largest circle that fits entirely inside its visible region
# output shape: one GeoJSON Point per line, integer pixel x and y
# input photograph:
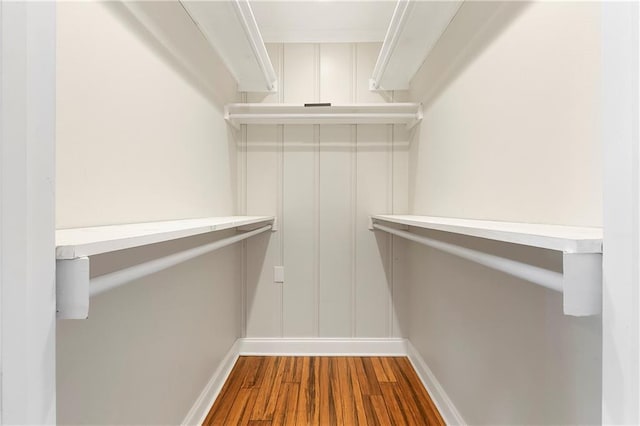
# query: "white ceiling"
{"type": "Point", "coordinates": [321, 21]}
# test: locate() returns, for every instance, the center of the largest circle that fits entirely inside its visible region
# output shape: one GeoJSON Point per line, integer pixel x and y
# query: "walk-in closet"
{"type": "Point", "coordinates": [319, 212]}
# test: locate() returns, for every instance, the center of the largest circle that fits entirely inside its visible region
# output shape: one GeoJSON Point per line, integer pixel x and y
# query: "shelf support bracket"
{"type": "Point", "coordinates": [582, 283]}
{"type": "Point", "coordinates": [72, 288]}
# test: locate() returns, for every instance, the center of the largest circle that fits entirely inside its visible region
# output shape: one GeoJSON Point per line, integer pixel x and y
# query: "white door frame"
{"type": "Point", "coordinates": [621, 255]}
{"type": "Point", "coordinates": [27, 209]}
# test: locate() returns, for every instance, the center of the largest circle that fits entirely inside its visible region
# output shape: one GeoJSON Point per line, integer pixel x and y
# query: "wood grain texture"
{"type": "Point", "coordinates": [323, 391]}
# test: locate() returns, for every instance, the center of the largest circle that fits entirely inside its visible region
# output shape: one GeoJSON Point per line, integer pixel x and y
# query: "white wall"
{"type": "Point", "coordinates": [140, 137]}
{"type": "Point", "coordinates": [511, 132]}
{"type": "Point", "coordinates": [322, 182]}
{"type": "Point", "coordinates": [621, 257]}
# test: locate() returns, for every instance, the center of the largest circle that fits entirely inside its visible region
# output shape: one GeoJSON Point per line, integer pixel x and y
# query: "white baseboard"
{"type": "Point", "coordinates": [207, 397]}
{"type": "Point", "coordinates": [323, 346]}
{"type": "Point", "coordinates": [450, 414]}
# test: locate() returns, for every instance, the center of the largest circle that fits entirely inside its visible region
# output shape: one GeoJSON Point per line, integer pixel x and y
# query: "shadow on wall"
{"type": "Point", "coordinates": [393, 252]}
{"type": "Point", "coordinates": [149, 347]}
{"type": "Point", "coordinates": [474, 28]}
{"type": "Point", "coordinates": [256, 253]}
{"type": "Point", "coordinates": [168, 31]}
{"type": "Point", "coordinates": [500, 346]}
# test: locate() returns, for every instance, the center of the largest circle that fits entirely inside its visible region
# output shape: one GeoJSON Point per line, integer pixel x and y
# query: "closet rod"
{"type": "Point", "coordinates": [112, 280]}
{"type": "Point", "coordinates": [549, 279]}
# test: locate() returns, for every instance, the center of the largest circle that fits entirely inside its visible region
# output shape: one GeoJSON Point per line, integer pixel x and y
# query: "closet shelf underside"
{"type": "Point", "coordinates": [374, 113]}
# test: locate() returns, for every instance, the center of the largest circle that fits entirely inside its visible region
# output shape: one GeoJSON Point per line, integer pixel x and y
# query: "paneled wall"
{"type": "Point", "coordinates": [140, 138]}
{"type": "Point", "coordinates": [510, 133]}
{"type": "Point", "coordinates": [322, 182]}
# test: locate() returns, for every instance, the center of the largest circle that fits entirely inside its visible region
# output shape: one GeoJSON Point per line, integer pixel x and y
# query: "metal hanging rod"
{"type": "Point", "coordinates": [544, 277]}
{"type": "Point", "coordinates": [74, 287]}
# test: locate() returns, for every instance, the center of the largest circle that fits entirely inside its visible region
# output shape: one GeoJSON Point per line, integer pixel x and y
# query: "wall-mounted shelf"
{"type": "Point", "coordinates": [568, 239]}
{"type": "Point", "coordinates": [81, 242]}
{"type": "Point", "coordinates": [415, 27]}
{"type": "Point", "coordinates": [376, 113]}
{"type": "Point", "coordinates": [231, 28]}
{"type": "Point", "coordinates": [74, 246]}
{"type": "Point", "coordinates": [580, 282]}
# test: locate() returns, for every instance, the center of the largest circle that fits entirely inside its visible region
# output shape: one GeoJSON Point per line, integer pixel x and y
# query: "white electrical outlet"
{"type": "Point", "coordinates": [278, 274]}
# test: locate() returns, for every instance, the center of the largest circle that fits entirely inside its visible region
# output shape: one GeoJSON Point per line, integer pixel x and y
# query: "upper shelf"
{"type": "Point", "coordinates": [231, 28]}
{"type": "Point", "coordinates": [414, 29]}
{"type": "Point", "coordinates": [80, 242]}
{"type": "Point", "coordinates": [374, 113]}
{"type": "Point", "coordinates": [568, 239]}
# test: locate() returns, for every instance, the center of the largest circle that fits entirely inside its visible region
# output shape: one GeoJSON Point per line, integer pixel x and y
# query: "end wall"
{"type": "Point", "coordinates": [323, 182]}
{"type": "Point", "coordinates": [141, 137]}
{"type": "Point", "coordinates": [510, 132]}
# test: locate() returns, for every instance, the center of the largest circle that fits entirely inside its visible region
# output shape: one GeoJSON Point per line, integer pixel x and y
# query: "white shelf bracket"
{"type": "Point", "coordinates": [417, 120]}
{"type": "Point", "coordinates": [582, 283]}
{"type": "Point", "coordinates": [72, 288]}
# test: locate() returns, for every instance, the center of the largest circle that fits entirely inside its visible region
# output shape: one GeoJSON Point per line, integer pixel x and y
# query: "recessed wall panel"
{"type": "Point", "coordinates": [337, 212]}
{"type": "Point", "coordinates": [373, 279]}
{"type": "Point", "coordinates": [299, 231]}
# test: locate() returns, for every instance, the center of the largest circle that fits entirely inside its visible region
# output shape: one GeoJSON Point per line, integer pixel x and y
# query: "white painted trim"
{"type": "Point", "coordinates": [250, 26]}
{"type": "Point", "coordinates": [621, 183]}
{"type": "Point", "coordinates": [445, 406]}
{"type": "Point", "coordinates": [203, 404]}
{"type": "Point", "coordinates": [27, 212]}
{"type": "Point", "coordinates": [324, 346]}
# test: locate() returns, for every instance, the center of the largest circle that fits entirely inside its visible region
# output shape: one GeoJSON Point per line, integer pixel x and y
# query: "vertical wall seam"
{"type": "Point", "coordinates": [354, 228]}
{"type": "Point", "coordinates": [281, 73]}
{"type": "Point", "coordinates": [389, 250]}
{"type": "Point", "coordinates": [354, 78]}
{"type": "Point", "coordinates": [280, 207]}
{"type": "Point", "coordinates": [316, 71]}
{"type": "Point", "coordinates": [243, 210]}
{"type": "Point", "coordinates": [316, 138]}
{"type": "Point", "coordinates": [280, 166]}
{"type": "Point", "coordinates": [392, 239]}
{"type": "Point", "coordinates": [243, 280]}
{"type": "Point", "coordinates": [242, 206]}
{"type": "Point", "coordinates": [316, 154]}
{"type": "Point", "coordinates": [354, 200]}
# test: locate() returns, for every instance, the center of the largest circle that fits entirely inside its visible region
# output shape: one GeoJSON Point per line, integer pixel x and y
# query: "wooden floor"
{"type": "Point", "coordinates": [323, 391]}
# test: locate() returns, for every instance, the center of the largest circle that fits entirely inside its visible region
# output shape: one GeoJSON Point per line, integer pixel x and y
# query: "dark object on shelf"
{"type": "Point", "coordinates": [325, 104]}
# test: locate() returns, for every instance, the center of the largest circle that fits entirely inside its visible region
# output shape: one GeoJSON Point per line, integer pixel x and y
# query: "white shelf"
{"type": "Point", "coordinates": [231, 29]}
{"type": "Point", "coordinates": [80, 242]}
{"type": "Point", "coordinates": [580, 281]}
{"type": "Point", "coordinates": [228, 27]}
{"type": "Point", "coordinates": [415, 28]}
{"type": "Point", "coordinates": [568, 239]}
{"type": "Point", "coordinates": [375, 113]}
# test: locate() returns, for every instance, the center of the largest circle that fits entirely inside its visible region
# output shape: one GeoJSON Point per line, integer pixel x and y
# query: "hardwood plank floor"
{"type": "Point", "coordinates": [301, 390]}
